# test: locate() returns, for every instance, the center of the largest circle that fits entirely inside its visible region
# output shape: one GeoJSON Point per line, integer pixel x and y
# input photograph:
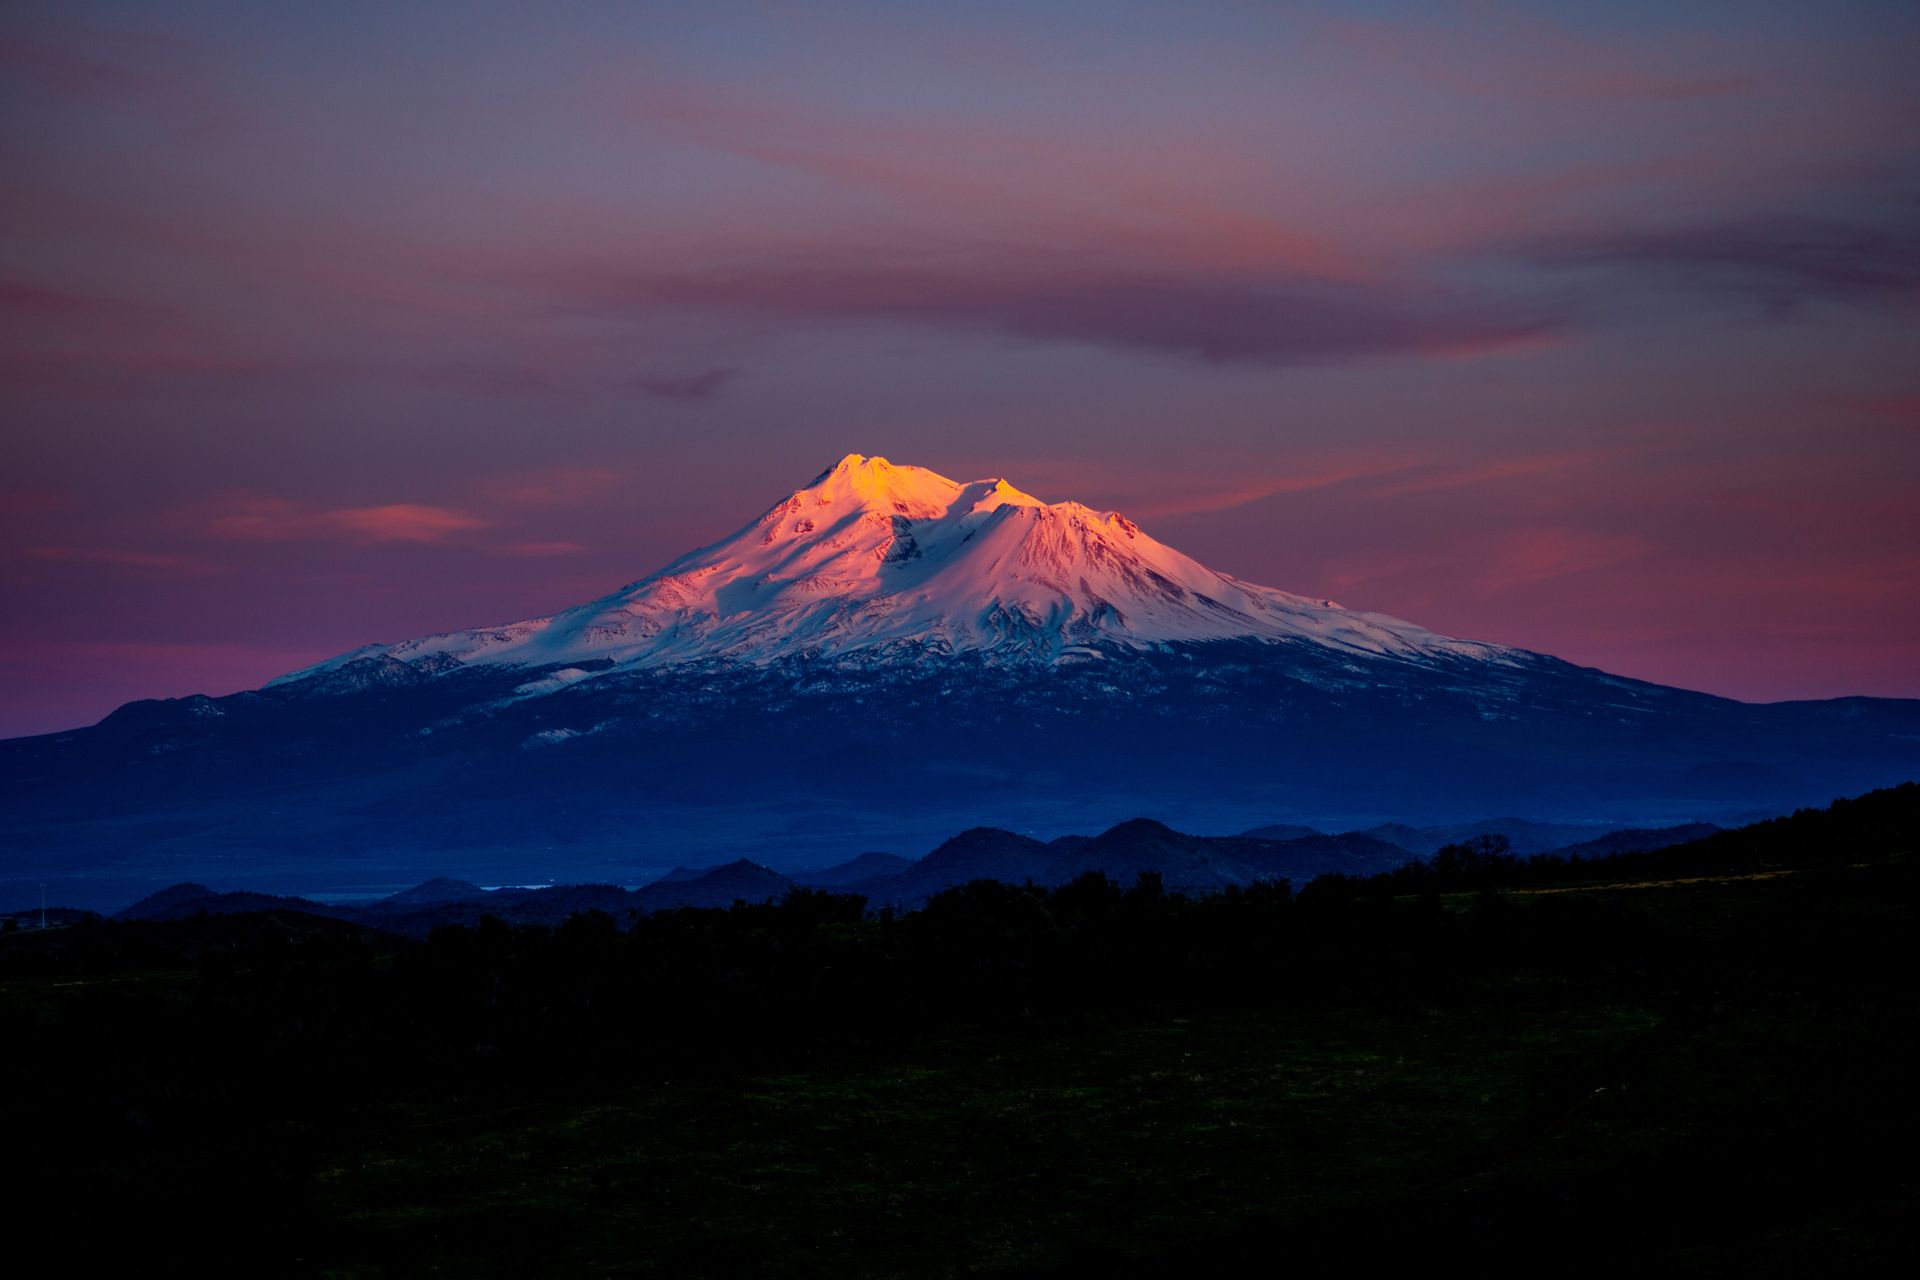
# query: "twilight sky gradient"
{"type": "Point", "coordinates": [1593, 329]}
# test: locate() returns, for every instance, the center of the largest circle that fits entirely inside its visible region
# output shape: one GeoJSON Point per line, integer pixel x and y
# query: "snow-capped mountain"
{"type": "Point", "coordinates": [888, 562]}
{"type": "Point", "coordinates": [883, 658]}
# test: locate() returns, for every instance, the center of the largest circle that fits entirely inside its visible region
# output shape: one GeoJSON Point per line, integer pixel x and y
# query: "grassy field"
{"type": "Point", "coordinates": [971, 1152]}
{"type": "Point", "coordinates": [1736, 1136]}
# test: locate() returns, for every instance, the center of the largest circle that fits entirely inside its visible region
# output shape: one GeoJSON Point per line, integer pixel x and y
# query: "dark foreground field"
{"type": "Point", "coordinates": [1702, 1060]}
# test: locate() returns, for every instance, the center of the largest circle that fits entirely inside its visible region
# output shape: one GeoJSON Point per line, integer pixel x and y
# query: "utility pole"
{"type": "Point", "coordinates": [43, 904]}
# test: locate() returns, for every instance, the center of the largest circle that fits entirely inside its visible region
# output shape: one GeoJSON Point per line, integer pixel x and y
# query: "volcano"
{"type": "Point", "coordinates": [886, 656]}
{"type": "Point", "coordinates": [882, 563]}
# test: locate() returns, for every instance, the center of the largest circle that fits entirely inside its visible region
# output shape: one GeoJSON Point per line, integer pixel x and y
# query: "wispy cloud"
{"type": "Point", "coordinates": [704, 385]}
{"type": "Point", "coordinates": [1495, 563]}
{"type": "Point", "coordinates": [1177, 486]}
{"type": "Point", "coordinates": [275, 519]}
{"type": "Point", "coordinates": [1528, 557]}
{"type": "Point", "coordinates": [1178, 198]}
{"type": "Point", "coordinates": [1177, 499]}
{"type": "Point", "coordinates": [1220, 319]}
{"type": "Point", "coordinates": [1774, 262]}
{"type": "Point", "coordinates": [123, 557]}
{"type": "Point", "coordinates": [550, 487]}
{"type": "Point", "coordinates": [1440, 479]}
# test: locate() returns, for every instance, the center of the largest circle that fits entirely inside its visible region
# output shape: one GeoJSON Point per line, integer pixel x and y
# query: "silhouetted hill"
{"type": "Point", "coordinates": [1188, 863]}
{"type": "Point", "coordinates": [182, 900]}
{"type": "Point", "coordinates": [868, 866]}
{"type": "Point", "coordinates": [438, 889]}
{"type": "Point", "coordinates": [160, 905]}
{"type": "Point", "coordinates": [1523, 834]}
{"type": "Point", "coordinates": [1637, 840]}
{"type": "Point", "coordinates": [1882, 823]}
{"type": "Point", "coordinates": [30, 917]}
{"type": "Point", "coordinates": [738, 881]}
{"type": "Point", "coordinates": [980, 853]}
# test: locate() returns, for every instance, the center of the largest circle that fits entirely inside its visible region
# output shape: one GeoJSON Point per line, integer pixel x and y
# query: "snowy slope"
{"type": "Point", "coordinates": [889, 562]}
{"type": "Point", "coordinates": [885, 657]}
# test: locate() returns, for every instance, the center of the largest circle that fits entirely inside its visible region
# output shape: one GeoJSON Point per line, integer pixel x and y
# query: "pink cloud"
{"type": "Point", "coordinates": [403, 522]}
{"type": "Point", "coordinates": [276, 519]}
{"type": "Point", "coordinates": [1179, 499]}
{"type": "Point", "coordinates": [1528, 557]}
{"type": "Point", "coordinates": [1182, 486]}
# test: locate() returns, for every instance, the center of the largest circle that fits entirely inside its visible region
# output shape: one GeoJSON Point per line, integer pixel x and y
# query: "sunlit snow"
{"type": "Point", "coordinates": [900, 562]}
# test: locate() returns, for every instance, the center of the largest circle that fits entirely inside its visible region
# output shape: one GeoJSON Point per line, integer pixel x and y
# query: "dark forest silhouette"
{"type": "Point", "coordinates": [165, 1073]}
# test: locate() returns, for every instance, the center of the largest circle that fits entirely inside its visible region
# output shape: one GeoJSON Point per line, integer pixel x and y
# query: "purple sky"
{"type": "Point", "coordinates": [1593, 329]}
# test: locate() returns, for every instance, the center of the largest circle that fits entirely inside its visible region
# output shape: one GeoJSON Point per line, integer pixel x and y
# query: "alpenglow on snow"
{"type": "Point", "coordinates": [897, 563]}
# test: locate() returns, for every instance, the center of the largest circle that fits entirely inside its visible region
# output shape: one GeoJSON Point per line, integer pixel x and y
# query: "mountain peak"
{"type": "Point", "coordinates": [900, 562]}
{"type": "Point", "coordinates": [877, 485]}
{"type": "Point", "coordinates": [873, 483]}
{"type": "Point", "coordinates": [1140, 829]}
{"type": "Point", "coordinates": [854, 464]}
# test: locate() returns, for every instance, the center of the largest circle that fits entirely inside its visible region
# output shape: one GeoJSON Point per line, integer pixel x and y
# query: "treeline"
{"type": "Point", "coordinates": [703, 983]}
{"type": "Point", "coordinates": [330, 998]}
{"type": "Point", "coordinates": [221, 1049]}
{"type": "Point", "coordinates": [1874, 826]}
